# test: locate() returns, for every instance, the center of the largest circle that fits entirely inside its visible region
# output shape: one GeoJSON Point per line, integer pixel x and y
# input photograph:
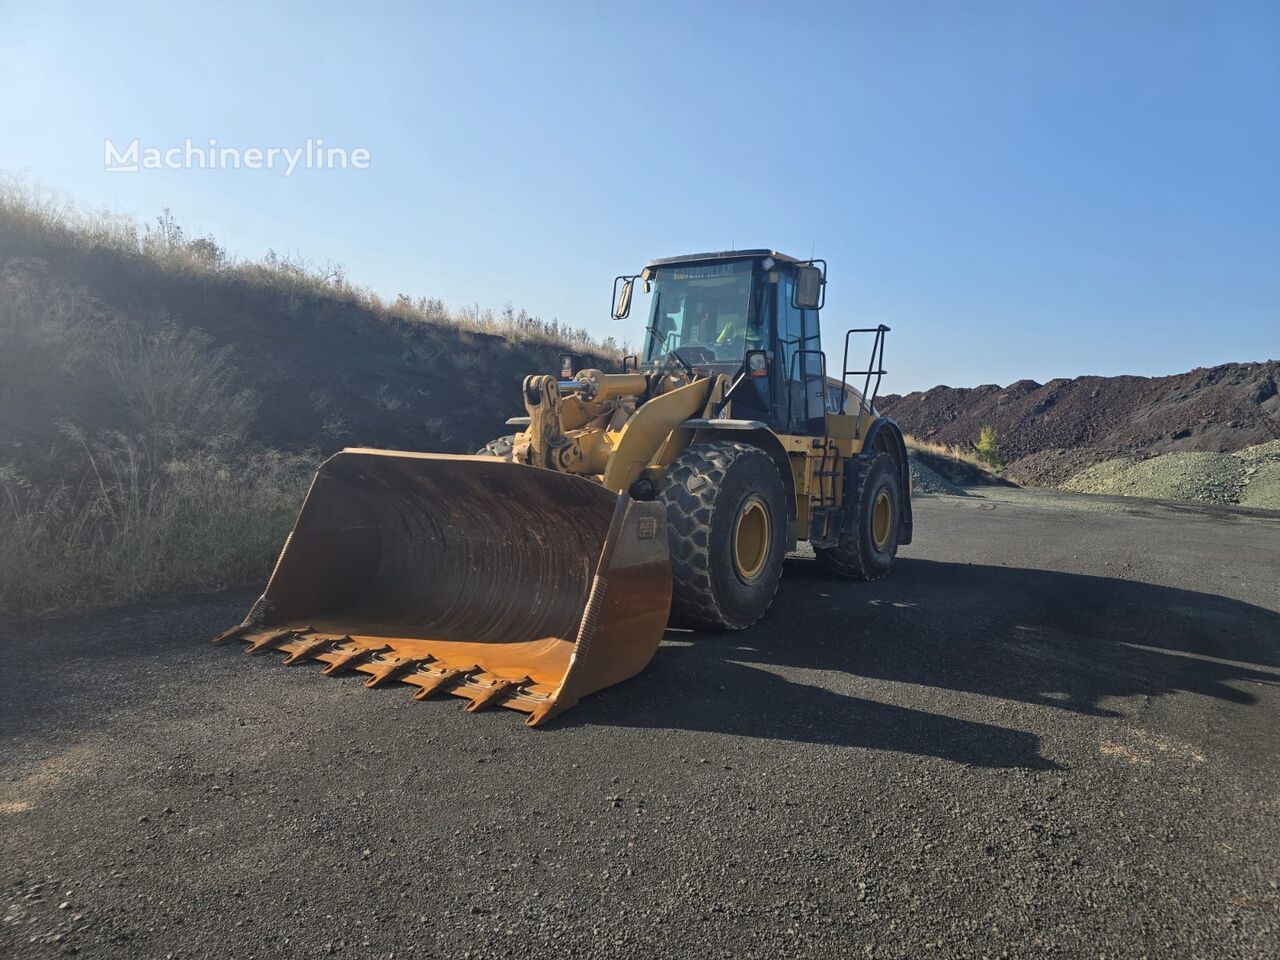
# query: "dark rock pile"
{"type": "Point", "coordinates": [1050, 432]}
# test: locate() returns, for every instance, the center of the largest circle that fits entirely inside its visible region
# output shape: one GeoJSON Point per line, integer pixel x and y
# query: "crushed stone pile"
{"type": "Point", "coordinates": [925, 482]}
{"type": "Point", "coordinates": [1248, 477]}
{"type": "Point", "coordinates": [1262, 475]}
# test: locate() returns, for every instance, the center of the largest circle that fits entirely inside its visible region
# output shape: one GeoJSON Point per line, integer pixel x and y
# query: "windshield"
{"type": "Point", "coordinates": [701, 313]}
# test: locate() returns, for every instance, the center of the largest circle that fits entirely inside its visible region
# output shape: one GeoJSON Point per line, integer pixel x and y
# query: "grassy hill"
{"type": "Point", "coordinates": [162, 404]}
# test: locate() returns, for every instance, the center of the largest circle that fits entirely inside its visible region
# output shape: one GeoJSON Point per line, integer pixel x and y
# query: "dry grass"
{"type": "Point", "coordinates": [946, 451]}
{"type": "Point", "coordinates": [129, 528]}
{"type": "Point", "coordinates": [148, 484]}
{"type": "Point", "coordinates": [167, 243]}
{"type": "Point", "coordinates": [169, 496]}
{"type": "Point", "coordinates": [127, 470]}
{"type": "Point", "coordinates": [953, 464]}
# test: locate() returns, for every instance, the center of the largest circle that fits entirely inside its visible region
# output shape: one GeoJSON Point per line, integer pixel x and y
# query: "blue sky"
{"type": "Point", "coordinates": [1024, 189]}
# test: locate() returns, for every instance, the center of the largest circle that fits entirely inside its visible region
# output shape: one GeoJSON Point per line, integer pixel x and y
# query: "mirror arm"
{"type": "Point", "coordinates": [621, 306]}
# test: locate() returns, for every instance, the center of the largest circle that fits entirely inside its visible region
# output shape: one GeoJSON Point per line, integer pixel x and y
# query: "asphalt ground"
{"type": "Point", "coordinates": [1052, 731]}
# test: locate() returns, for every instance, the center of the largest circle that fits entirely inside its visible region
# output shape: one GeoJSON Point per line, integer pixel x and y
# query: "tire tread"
{"type": "Point", "coordinates": [689, 491]}
{"type": "Point", "coordinates": [846, 559]}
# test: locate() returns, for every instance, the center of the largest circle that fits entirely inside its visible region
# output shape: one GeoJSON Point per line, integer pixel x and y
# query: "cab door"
{"type": "Point", "coordinates": [799, 370]}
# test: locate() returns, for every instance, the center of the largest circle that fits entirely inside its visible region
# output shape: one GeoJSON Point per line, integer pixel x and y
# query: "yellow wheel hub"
{"type": "Point", "coordinates": [752, 538]}
{"type": "Point", "coordinates": [882, 519]}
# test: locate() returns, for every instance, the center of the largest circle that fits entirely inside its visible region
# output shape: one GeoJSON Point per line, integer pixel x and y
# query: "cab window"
{"type": "Point", "coordinates": [800, 389]}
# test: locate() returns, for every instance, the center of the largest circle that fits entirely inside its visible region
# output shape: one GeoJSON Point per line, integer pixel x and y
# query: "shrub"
{"type": "Point", "coordinates": [987, 447]}
{"type": "Point", "coordinates": [148, 484]}
{"type": "Point", "coordinates": [130, 529]}
{"type": "Point", "coordinates": [166, 243]}
{"type": "Point", "coordinates": [128, 468]}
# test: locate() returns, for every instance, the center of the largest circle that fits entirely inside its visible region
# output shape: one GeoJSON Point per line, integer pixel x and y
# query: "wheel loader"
{"type": "Point", "coordinates": [548, 565]}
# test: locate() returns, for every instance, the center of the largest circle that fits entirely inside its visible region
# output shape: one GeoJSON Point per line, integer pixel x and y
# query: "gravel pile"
{"type": "Point", "coordinates": [1215, 410]}
{"type": "Point", "coordinates": [1262, 475]}
{"type": "Point", "coordinates": [1249, 477]}
{"type": "Point", "coordinates": [926, 482]}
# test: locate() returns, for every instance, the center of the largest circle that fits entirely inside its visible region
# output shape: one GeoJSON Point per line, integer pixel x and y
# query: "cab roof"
{"type": "Point", "coordinates": [722, 255]}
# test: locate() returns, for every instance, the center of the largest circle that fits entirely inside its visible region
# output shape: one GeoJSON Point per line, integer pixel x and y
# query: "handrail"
{"type": "Point", "coordinates": [875, 367]}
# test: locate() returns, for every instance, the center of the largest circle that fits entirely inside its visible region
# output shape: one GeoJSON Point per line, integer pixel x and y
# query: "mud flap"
{"type": "Point", "coordinates": [505, 584]}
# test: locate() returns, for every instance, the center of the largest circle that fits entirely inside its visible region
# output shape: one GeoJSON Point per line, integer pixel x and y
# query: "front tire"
{"type": "Point", "coordinates": [726, 528]}
{"type": "Point", "coordinates": [868, 551]}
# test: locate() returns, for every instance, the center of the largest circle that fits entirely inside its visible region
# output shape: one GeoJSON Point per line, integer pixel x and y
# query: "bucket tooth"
{"type": "Point", "coordinates": [439, 572]}
{"type": "Point", "coordinates": [272, 639]}
{"type": "Point", "coordinates": [442, 680]}
{"type": "Point", "coordinates": [347, 658]}
{"type": "Point", "coordinates": [235, 633]}
{"type": "Point", "coordinates": [308, 648]}
{"type": "Point", "coordinates": [258, 613]}
{"type": "Point", "coordinates": [390, 667]}
{"type": "Point", "coordinates": [499, 690]}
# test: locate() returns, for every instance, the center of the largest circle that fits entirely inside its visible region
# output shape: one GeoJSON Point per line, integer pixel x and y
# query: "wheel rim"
{"type": "Point", "coordinates": [882, 519]}
{"type": "Point", "coordinates": [752, 537]}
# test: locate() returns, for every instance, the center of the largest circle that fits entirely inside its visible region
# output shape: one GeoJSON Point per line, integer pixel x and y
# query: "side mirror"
{"type": "Point", "coordinates": [810, 289]}
{"type": "Point", "coordinates": [622, 299]}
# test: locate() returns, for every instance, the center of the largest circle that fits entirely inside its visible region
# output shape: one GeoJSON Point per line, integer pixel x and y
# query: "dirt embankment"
{"type": "Point", "coordinates": [1051, 432]}
{"type": "Point", "coordinates": [326, 367]}
{"type": "Point", "coordinates": [163, 405]}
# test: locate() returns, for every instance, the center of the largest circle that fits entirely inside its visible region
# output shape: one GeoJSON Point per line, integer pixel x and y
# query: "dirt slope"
{"type": "Point", "coordinates": [325, 367]}
{"type": "Point", "coordinates": [163, 405]}
{"type": "Point", "coordinates": [1049, 432]}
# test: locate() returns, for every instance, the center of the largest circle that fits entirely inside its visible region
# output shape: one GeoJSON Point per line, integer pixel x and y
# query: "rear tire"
{"type": "Point", "coordinates": [726, 529]}
{"type": "Point", "coordinates": [867, 553]}
{"type": "Point", "coordinates": [501, 448]}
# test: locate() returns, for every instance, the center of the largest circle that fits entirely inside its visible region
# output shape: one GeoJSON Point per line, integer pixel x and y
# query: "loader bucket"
{"type": "Point", "coordinates": [502, 583]}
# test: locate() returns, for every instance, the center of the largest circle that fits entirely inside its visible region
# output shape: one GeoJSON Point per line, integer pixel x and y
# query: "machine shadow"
{"type": "Point", "coordinates": [1059, 640]}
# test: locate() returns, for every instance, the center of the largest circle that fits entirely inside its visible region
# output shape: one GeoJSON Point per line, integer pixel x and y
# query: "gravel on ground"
{"type": "Point", "coordinates": [1050, 732]}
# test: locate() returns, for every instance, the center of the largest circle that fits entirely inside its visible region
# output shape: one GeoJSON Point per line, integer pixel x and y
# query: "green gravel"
{"type": "Point", "coordinates": [1262, 475]}
{"type": "Point", "coordinates": [1249, 477]}
{"type": "Point", "coordinates": [926, 482]}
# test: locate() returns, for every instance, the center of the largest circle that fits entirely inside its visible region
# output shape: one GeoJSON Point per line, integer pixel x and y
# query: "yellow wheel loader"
{"type": "Point", "coordinates": [548, 565]}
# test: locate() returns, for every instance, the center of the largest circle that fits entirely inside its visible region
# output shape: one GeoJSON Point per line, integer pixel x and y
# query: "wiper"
{"type": "Point", "coordinates": [672, 354]}
{"type": "Point", "coordinates": [682, 361]}
{"type": "Point", "coordinates": [659, 340]}
{"type": "Point", "coordinates": [652, 328]}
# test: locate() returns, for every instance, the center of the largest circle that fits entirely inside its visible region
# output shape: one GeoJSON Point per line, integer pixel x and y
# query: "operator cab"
{"type": "Point", "coordinates": [741, 311]}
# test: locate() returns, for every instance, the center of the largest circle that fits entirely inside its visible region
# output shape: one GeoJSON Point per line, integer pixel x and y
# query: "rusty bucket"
{"type": "Point", "coordinates": [505, 584]}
